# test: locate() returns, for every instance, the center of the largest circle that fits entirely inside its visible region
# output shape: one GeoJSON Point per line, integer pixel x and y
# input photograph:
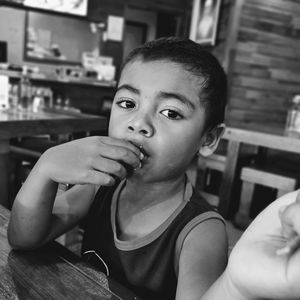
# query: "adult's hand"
{"type": "Point", "coordinates": [259, 267]}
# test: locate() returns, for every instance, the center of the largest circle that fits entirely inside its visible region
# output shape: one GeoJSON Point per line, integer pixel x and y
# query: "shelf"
{"type": "Point", "coordinates": [55, 79]}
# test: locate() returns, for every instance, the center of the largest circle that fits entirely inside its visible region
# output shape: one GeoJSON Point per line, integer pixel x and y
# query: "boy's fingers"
{"type": "Point", "coordinates": [110, 167]}
{"type": "Point", "coordinates": [99, 178]}
{"type": "Point", "coordinates": [120, 154]}
{"type": "Point", "coordinates": [121, 143]}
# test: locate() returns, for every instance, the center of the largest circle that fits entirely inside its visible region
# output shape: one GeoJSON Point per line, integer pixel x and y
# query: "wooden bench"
{"type": "Point", "coordinates": [251, 176]}
{"type": "Point", "coordinates": [199, 174]}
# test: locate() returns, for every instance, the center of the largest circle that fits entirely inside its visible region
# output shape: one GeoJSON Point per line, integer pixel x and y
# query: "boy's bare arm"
{"type": "Point", "coordinates": [202, 260]}
{"type": "Point", "coordinates": [85, 162]}
{"type": "Point", "coordinates": [38, 216]}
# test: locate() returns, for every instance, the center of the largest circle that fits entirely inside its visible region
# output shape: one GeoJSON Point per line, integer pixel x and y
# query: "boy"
{"type": "Point", "coordinates": [151, 231]}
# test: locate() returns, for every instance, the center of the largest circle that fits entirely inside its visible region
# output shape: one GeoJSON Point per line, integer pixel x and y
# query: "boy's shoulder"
{"type": "Point", "coordinates": [206, 225]}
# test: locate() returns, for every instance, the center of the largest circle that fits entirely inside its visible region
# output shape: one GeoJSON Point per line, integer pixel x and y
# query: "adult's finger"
{"type": "Point", "coordinates": [298, 197]}
{"type": "Point", "coordinates": [290, 219]}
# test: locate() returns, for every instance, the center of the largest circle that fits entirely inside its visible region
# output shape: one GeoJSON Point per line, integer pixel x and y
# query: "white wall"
{"type": "Point", "coordinates": [72, 33]}
{"type": "Point", "coordinates": [12, 30]}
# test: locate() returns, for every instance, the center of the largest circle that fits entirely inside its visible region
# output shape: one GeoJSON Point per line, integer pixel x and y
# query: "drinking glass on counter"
{"type": "Point", "coordinates": [38, 98]}
{"type": "Point", "coordinates": [25, 91]}
{"type": "Point", "coordinates": [38, 102]}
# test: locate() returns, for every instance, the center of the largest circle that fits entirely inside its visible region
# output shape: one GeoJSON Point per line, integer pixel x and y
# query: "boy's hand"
{"type": "Point", "coordinates": [94, 160]}
{"type": "Point", "coordinates": [258, 268]}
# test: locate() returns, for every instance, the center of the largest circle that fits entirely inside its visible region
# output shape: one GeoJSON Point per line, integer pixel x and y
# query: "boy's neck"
{"type": "Point", "coordinates": [146, 194]}
{"type": "Point", "coordinates": [144, 206]}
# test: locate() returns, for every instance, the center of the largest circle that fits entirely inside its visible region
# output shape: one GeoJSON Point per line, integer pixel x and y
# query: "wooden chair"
{"type": "Point", "coordinates": [253, 175]}
{"type": "Point", "coordinates": [200, 173]}
{"type": "Point", "coordinates": [215, 162]}
{"type": "Point", "coordinates": [205, 168]}
{"type": "Point", "coordinates": [24, 153]}
{"type": "Point", "coordinates": [208, 172]}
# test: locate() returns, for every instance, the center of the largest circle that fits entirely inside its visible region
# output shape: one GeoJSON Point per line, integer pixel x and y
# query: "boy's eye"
{"type": "Point", "coordinates": [126, 103]}
{"type": "Point", "coordinates": [172, 114]}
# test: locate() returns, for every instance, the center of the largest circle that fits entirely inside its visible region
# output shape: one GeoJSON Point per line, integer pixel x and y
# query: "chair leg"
{"type": "Point", "coordinates": [242, 218]}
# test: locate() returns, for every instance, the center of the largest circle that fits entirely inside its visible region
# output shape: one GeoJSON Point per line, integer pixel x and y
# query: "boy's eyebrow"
{"type": "Point", "coordinates": [128, 87]}
{"type": "Point", "coordinates": [165, 95]}
{"type": "Point", "coordinates": [183, 99]}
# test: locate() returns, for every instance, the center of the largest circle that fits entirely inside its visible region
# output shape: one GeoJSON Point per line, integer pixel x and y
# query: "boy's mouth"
{"type": "Point", "coordinates": [130, 171]}
{"type": "Point", "coordinates": [141, 148]}
{"type": "Point", "coordinates": [143, 151]}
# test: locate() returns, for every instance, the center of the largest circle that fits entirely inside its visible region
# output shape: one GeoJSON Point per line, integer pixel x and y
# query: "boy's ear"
{"type": "Point", "coordinates": [211, 140]}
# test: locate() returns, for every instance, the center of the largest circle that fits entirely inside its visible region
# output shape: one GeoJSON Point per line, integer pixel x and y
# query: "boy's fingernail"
{"type": "Point", "coordinates": [141, 156]}
{"type": "Point", "coordinates": [291, 245]}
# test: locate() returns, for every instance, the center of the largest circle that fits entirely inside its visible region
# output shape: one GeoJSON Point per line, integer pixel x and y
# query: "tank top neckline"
{"type": "Point", "coordinates": [150, 237]}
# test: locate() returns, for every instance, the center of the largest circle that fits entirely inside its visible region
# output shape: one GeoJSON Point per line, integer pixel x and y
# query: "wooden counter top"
{"type": "Point", "coordinates": [52, 272]}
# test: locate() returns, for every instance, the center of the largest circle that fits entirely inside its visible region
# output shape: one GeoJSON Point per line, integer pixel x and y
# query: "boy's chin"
{"type": "Point", "coordinates": [143, 174]}
{"type": "Point", "coordinates": [133, 173]}
{"type": "Point", "coordinates": [147, 175]}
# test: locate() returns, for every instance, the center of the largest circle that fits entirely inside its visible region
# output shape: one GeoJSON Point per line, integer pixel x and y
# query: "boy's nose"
{"type": "Point", "coordinates": [141, 125]}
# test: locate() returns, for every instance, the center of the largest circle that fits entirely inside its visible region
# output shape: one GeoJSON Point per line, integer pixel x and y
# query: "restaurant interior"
{"type": "Point", "coordinates": [58, 71]}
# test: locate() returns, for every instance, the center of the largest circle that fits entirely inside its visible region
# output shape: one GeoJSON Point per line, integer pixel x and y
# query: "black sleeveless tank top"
{"type": "Point", "coordinates": [148, 265]}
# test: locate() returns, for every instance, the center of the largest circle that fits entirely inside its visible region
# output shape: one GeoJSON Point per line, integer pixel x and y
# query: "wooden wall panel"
{"type": "Point", "coordinates": [265, 70]}
{"type": "Point", "coordinates": [222, 33]}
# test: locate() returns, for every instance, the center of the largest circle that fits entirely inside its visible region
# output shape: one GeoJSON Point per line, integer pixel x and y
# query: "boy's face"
{"type": "Point", "coordinates": [157, 106]}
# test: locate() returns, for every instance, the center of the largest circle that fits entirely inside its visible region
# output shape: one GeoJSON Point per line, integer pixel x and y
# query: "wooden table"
{"type": "Point", "coordinates": [236, 137]}
{"type": "Point", "coordinates": [16, 123]}
{"type": "Point", "coordinates": [52, 272]}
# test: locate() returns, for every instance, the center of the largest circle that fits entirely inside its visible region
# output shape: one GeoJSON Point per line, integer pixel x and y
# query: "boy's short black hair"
{"type": "Point", "coordinates": [198, 61]}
